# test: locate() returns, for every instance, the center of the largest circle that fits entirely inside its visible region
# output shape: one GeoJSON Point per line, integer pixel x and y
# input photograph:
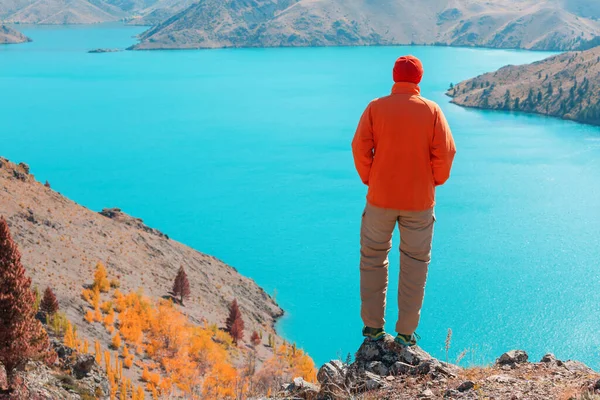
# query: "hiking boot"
{"type": "Point", "coordinates": [374, 334]}
{"type": "Point", "coordinates": [407, 340]}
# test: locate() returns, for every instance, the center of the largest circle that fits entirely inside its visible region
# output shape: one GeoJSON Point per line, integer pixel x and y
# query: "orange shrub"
{"type": "Point", "coordinates": [116, 341]}
{"type": "Point", "coordinates": [89, 316]}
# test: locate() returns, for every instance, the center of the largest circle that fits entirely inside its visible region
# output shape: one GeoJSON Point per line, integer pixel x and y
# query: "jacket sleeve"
{"type": "Point", "coordinates": [363, 146]}
{"type": "Point", "coordinates": [443, 149]}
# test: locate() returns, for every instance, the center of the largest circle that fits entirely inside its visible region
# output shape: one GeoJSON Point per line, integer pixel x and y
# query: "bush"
{"type": "Point", "coordinates": [57, 323]}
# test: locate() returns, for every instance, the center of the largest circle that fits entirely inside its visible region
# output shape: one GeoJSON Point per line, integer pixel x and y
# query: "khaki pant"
{"type": "Point", "coordinates": [416, 234]}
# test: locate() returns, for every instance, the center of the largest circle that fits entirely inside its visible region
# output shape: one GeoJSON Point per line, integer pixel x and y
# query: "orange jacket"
{"type": "Point", "coordinates": [403, 148]}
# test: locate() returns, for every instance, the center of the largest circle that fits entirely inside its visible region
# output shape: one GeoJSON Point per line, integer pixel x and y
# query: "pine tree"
{"type": "Point", "coordinates": [234, 324]}
{"type": "Point", "coordinates": [181, 286]}
{"type": "Point", "coordinates": [255, 338]}
{"type": "Point", "coordinates": [49, 304]}
{"type": "Point", "coordinates": [22, 337]}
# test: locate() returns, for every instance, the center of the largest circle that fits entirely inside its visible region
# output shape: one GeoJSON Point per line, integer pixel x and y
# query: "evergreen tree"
{"type": "Point", "coordinates": [22, 337]}
{"type": "Point", "coordinates": [49, 304]}
{"type": "Point", "coordinates": [234, 325]}
{"type": "Point", "coordinates": [181, 286]}
{"type": "Point", "coordinates": [255, 338]}
{"type": "Point", "coordinates": [517, 103]}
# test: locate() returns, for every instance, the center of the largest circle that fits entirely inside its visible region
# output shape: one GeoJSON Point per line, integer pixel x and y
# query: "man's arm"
{"type": "Point", "coordinates": [362, 146]}
{"type": "Point", "coordinates": [443, 149]}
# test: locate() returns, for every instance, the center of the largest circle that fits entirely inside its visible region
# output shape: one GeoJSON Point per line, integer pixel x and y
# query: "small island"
{"type": "Point", "coordinates": [105, 51]}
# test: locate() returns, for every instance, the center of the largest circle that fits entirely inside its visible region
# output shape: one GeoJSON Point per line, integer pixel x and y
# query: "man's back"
{"type": "Point", "coordinates": [403, 148]}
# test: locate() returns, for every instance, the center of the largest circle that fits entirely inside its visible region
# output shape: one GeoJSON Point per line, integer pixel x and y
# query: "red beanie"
{"type": "Point", "coordinates": [408, 69]}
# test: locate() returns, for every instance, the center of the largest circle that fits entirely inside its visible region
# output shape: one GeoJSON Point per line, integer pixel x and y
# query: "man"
{"type": "Point", "coordinates": [403, 149]}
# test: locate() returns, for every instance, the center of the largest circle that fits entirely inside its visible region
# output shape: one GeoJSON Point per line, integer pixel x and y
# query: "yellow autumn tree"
{"type": "Point", "coordinates": [116, 341]}
{"type": "Point", "coordinates": [69, 338]}
{"type": "Point", "coordinates": [98, 352]}
{"type": "Point", "coordinates": [101, 281]}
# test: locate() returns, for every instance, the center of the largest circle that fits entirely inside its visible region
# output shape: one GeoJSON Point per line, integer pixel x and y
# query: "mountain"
{"type": "Point", "coordinates": [565, 86]}
{"type": "Point", "coordinates": [9, 35]}
{"type": "Point", "coordinates": [61, 242]}
{"type": "Point", "coordinates": [527, 24]}
{"type": "Point", "coordinates": [56, 12]}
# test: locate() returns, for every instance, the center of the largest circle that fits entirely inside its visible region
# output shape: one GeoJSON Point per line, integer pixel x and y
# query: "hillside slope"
{"type": "Point", "coordinates": [10, 36]}
{"type": "Point", "coordinates": [57, 12]}
{"type": "Point", "coordinates": [527, 24]}
{"type": "Point", "coordinates": [565, 86]}
{"type": "Point", "coordinates": [61, 242]}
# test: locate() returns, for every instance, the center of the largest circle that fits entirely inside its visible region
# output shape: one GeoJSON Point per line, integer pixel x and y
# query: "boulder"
{"type": "Point", "coordinates": [332, 372]}
{"type": "Point", "coordinates": [378, 368]}
{"type": "Point", "coordinates": [512, 358]}
{"type": "Point", "coordinates": [465, 386]}
{"type": "Point", "coordinates": [63, 352]}
{"type": "Point", "coordinates": [400, 368]}
{"type": "Point", "coordinates": [83, 365]}
{"type": "Point", "coordinates": [548, 358]}
{"type": "Point", "coordinates": [299, 388]}
{"type": "Point", "coordinates": [25, 168]}
{"type": "Point", "coordinates": [372, 381]}
{"type": "Point", "coordinates": [576, 366]}
{"type": "Point", "coordinates": [333, 376]}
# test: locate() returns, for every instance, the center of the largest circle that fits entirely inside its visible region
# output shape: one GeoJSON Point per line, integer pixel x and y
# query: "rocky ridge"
{"type": "Point", "coordinates": [565, 86]}
{"type": "Point", "coordinates": [385, 370]}
{"type": "Point", "coordinates": [527, 24]}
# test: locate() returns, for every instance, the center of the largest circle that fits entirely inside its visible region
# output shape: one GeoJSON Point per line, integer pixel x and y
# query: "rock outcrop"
{"type": "Point", "coordinates": [74, 377]}
{"type": "Point", "coordinates": [565, 86]}
{"type": "Point", "coordinates": [385, 370]}
{"type": "Point", "coordinates": [377, 365]}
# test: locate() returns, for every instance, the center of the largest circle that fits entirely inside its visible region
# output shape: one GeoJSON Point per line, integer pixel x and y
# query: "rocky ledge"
{"type": "Point", "coordinates": [385, 370]}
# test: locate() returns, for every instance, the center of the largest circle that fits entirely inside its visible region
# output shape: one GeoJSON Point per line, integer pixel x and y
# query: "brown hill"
{"type": "Point", "coordinates": [527, 24]}
{"type": "Point", "coordinates": [565, 86]}
{"type": "Point", "coordinates": [61, 242]}
{"type": "Point", "coordinates": [9, 35]}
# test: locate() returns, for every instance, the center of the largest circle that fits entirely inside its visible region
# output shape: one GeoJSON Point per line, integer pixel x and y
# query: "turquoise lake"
{"type": "Point", "coordinates": [245, 154]}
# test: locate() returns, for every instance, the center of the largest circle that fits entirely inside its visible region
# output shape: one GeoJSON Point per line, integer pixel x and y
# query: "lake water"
{"type": "Point", "coordinates": [245, 154]}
